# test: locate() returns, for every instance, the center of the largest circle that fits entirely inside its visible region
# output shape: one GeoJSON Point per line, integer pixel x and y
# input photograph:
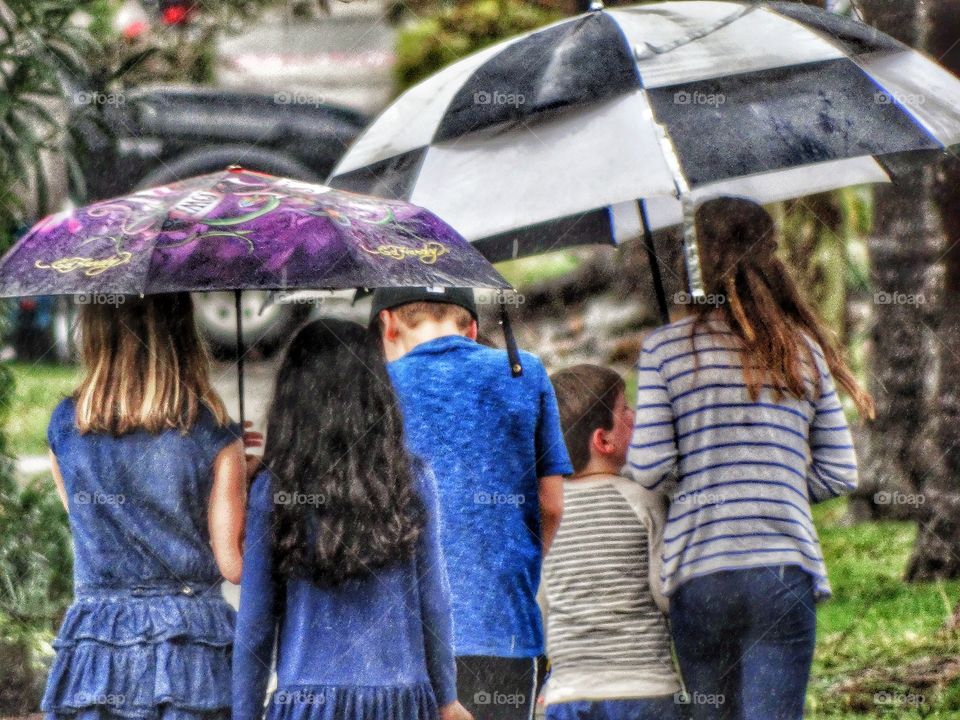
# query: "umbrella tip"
{"type": "Point", "coordinates": [596, 5]}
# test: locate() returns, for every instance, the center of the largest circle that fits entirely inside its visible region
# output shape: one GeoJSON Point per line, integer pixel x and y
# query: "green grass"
{"type": "Point", "coordinates": [877, 633]}
{"type": "Point", "coordinates": [526, 271]}
{"type": "Point", "coordinates": [38, 390]}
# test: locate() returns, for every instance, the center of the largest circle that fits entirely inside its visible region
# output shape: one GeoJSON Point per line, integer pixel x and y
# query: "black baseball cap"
{"type": "Point", "coordinates": [389, 298]}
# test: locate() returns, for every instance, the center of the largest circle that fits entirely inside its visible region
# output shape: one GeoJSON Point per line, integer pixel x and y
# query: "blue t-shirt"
{"type": "Point", "coordinates": [489, 437]}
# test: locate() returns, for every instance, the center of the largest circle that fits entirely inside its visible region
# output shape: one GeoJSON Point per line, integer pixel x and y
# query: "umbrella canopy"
{"type": "Point", "coordinates": [238, 229]}
{"type": "Point", "coordinates": [550, 138]}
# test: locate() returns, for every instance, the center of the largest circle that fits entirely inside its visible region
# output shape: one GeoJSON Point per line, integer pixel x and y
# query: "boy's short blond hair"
{"type": "Point", "coordinates": [412, 314]}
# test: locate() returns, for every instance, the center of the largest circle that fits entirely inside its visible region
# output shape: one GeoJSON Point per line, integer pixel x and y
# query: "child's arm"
{"type": "Point", "coordinates": [652, 458]}
{"type": "Point", "coordinates": [435, 598]}
{"type": "Point", "coordinates": [551, 509]}
{"type": "Point", "coordinates": [553, 461]}
{"type": "Point", "coordinates": [257, 623]}
{"type": "Point", "coordinates": [58, 481]}
{"type": "Point", "coordinates": [226, 515]}
{"type": "Point", "coordinates": [833, 467]}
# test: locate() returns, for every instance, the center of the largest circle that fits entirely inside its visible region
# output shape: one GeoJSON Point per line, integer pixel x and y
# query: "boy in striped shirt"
{"type": "Point", "coordinates": [607, 638]}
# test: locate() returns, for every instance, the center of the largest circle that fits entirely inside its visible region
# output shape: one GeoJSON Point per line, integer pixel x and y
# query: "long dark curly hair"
{"type": "Point", "coordinates": [343, 483]}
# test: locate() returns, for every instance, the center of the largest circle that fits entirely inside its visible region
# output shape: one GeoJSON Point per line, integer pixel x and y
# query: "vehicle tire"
{"type": "Point", "coordinates": [265, 326]}
{"type": "Point", "coordinates": [219, 157]}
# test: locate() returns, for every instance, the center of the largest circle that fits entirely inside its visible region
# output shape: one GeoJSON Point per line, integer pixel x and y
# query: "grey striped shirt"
{"type": "Point", "coordinates": [606, 637]}
{"type": "Point", "coordinates": [740, 475]}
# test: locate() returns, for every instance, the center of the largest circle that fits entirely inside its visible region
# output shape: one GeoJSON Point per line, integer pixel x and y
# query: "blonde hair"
{"type": "Point", "coordinates": [146, 367]}
{"type": "Point", "coordinates": [414, 313]}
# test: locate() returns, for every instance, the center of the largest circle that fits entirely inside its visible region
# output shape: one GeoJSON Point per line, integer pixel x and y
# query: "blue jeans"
{"type": "Point", "coordinates": [640, 709]}
{"type": "Point", "coordinates": [744, 639]}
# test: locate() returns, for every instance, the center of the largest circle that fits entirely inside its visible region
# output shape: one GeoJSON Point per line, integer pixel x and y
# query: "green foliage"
{"type": "Point", "coordinates": [39, 387]}
{"type": "Point", "coordinates": [452, 31]}
{"type": "Point", "coordinates": [37, 44]}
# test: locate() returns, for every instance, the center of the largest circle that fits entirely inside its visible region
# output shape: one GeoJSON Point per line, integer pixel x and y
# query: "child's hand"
{"type": "Point", "coordinates": [455, 711]}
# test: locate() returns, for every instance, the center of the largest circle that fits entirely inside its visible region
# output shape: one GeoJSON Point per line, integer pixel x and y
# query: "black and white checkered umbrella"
{"type": "Point", "coordinates": [551, 138]}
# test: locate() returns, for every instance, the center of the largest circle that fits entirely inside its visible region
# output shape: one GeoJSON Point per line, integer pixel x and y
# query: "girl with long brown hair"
{"type": "Point", "coordinates": [740, 425]}
{"type": "Point", "coordinates": [152, 474]}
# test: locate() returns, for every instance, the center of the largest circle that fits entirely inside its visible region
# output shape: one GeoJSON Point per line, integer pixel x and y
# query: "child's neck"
{"type": "Point", "coordinates": [598, 466]}
{"type": "Point", "coordinates": [426, 332]}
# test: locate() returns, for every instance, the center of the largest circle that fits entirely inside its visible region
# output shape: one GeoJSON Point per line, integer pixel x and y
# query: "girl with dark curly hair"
{"type": "Point", "coordinates": [342, 568]}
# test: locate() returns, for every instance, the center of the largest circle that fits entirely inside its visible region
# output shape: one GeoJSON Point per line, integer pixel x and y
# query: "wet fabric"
{"type": "Point", "coordinates": [149, 634]}
{"type": "Point", "coordinates": [489, 437]}
{"type": "Point", "coordinates": [373, 648]}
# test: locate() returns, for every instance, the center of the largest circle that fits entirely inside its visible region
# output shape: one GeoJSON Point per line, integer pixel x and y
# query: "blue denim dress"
{"type": "Point", "coordinates": [149, 634]}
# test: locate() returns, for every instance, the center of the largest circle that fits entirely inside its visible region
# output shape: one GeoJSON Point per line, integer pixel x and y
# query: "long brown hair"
{"type": "Point", "coordinates": [762, 305]}
{"type": "Point", "coordinates": [146, 367]}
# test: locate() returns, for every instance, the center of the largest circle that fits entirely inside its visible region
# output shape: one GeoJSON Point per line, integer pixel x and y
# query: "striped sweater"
{"type": "Point", "coordinates": [740, 475]}
{"type": "Point", "coordinates": [606, 635]}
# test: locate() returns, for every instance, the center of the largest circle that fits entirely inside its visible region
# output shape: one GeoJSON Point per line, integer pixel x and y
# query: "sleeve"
{"type": "Point", "coordinates": [257, 621]}
{"type": "Point", "coordinates": [833, 461]}
{"type": "Point", "coordinates": [435, 598]}
{"type": "Point", "coordinates": [61, 420]}
{"type": "Point", "coordinates": [651, 508]}
{"type": "Point", "coordinates": [220, 436]}
{"type": "Point", "coordinates": [552, 456]}
{"type": "Point", "coordinates": [652, 458]}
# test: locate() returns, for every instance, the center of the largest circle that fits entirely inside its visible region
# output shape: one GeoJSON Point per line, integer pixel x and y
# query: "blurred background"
{"type": "Point", "coordinates": [102, 97]}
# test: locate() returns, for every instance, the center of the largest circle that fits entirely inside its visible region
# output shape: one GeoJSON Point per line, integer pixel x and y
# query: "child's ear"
{"type": "Point", "coordinates": [390, 325]}
{"type": "Point", "coordinates": [473, 330]}
{"type": "Point", "coordinates": [599, 442]}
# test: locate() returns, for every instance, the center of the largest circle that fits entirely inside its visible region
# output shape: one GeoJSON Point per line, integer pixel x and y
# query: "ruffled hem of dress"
{"type": "Point", "coordinates": [135, 681]}
{"type": "Point", "coordinates": [135, 621]}
{"type": "Point", "coordinates": [341, 702]}
{"type": "Point", "coordinates": [164, 712]}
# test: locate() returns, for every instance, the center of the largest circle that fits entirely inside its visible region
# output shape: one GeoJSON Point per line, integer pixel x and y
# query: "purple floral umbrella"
{"type": "Point", "coordinates": [235, 230]}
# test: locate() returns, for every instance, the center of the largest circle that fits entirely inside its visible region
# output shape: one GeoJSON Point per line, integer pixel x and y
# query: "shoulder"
{"type": "Point", "coordinates": [644, 503]}
{"type": "Point", "coordinates": [64, 416]}
{"type": "Point", "coordinates": [667, 335]}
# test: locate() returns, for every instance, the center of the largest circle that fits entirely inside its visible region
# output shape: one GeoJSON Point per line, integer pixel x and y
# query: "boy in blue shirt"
{"type": "Point", "coordinates": [496, 446]}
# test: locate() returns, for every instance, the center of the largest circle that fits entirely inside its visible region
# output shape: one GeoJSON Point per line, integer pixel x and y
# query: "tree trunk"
{"type": "Point", "coordinates": [898, 453]}
{"type": "Point", "coordinates": [937, 551]}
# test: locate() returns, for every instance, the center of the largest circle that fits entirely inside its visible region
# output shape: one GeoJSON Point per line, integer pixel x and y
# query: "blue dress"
{"type": "Point", "coordinates": [375, 648]}
{"type": "Point", "coordinates": [149, 634]}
